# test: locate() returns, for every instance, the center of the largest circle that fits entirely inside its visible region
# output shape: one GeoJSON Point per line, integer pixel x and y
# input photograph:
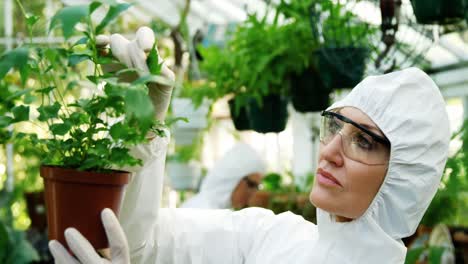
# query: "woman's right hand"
{"type": "Point", "coordinates": [133, 54]}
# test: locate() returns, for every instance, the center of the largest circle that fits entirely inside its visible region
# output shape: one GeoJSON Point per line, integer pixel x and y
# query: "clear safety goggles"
{"type": "Point", "coordinates": [358, 143]}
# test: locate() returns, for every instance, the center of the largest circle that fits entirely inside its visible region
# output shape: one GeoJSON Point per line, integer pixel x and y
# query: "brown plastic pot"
{"type": "Point", "coordinates": [76, 198]}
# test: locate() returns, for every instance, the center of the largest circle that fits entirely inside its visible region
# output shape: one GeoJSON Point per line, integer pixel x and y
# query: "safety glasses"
{"type": "Point", "coordinates": [358, 143]}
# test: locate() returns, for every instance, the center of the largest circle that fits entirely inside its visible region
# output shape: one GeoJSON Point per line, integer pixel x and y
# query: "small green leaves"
{"type": "Point", "coordinates": [48, 111]}
{"type": "Point", "coordinates": [74, 59]}
{"type": "Point", "coordinates": [46, 90]}
{"type": "Point", "coordinates": [138, 105]}
{"type": "Point", "coordinates": [113, 13]}
{"type": "Point", "coordinates": [16, 58]}
{"type": "Point", "coordinates": [60, 129]}
{"type": "Point", "coordinates": [154, 65]}
{"type": "Point", "coordinates": [5, 121]}
{"type": "Point", "coordinates": [31, 20]}
{"type": "Point", "coordinates": [68, 17]}
{"type": "Point", "coordinates": [20, 113]}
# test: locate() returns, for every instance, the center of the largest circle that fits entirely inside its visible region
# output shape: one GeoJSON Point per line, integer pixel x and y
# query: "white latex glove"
{"type": "Point", "coordinates": [83, 250]}
{"type": "Point", "coordinates": [133, 54]}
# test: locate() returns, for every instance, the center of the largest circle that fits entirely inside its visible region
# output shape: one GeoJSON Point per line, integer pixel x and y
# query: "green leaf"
{"type": "Point", "coordinates": [68, 17]}
{"type": "Point", "coordinates": [435, 254]}
{"type": "Point", "coordinates": [71, 85]}
{"type": "Point", "coordinates": [81, 41]}
{"type": "Point", "coordinates": [93, 79]}
{"type": "Point", "coordinates": [119, 131]}
{"type": "Point", "coordinates": [16, 58]}
{"type": "Point", "coordinates": [18, 94]}
{"type": "Point", "coordinates": [93, 6]}
{"type": "Point", "coordinates": [45, 90]}
{"type": "Point", "coordinates": [5, 121]}
{"type": "Point", "coordinates": [60, 129]}
{"type": "Point", "coordinates": [20, 113]}
{"type": "Point", "coordinates": [113, 13]}
{"type": "Point", "coordinates": [152, 61]}
{"type": "Point", "coordinates": [48, 112]}
{"type": "Point", "coordinates": [138, 105]}
{"type": "Point", "coordinates": [413, 255]}
{"type": "Point", "coordinates": [74, 59]}
{"type": "Point", "coordinates": [31, 20]}
{"type": "Point", "coordinates": [29, 98]}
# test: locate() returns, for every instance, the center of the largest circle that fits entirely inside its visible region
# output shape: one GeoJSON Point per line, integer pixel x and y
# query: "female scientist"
{"type": "Point", "coordinates": [383, 150]}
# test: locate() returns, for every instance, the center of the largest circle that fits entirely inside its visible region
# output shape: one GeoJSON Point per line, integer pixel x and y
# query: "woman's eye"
{"type": "Point", "coordinates": [364, 141]}
{"type": "Point", "coordinates": [334, 125]}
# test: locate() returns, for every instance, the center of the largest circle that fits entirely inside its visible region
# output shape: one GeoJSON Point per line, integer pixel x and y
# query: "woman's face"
{"type": "Point", "coordinates": [344, 186]}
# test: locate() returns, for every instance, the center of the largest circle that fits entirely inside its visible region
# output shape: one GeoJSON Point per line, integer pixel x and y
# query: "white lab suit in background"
{"type": "Point", "coordinates": [216, 188]}
{"type": "Point", "coordinates": [409, 109]}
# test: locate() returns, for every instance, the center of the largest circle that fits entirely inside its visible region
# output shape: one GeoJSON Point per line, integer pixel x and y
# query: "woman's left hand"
{"type": "Point", "coordinates": [83, 250]}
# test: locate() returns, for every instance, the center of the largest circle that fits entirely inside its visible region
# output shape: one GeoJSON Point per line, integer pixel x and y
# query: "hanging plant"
{"type": "Point", "coordinates": [345, 43]}
{"type": "Point", "coordinates": [439, 11]}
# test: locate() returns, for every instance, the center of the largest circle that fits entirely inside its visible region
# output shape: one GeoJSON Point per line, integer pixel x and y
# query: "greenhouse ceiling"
{"type": "Point", "coordinates": [446, 51]}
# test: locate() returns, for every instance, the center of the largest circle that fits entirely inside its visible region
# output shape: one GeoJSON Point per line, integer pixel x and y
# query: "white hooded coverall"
{"type": "Point", "coordinates": [409, 109]}
{"type": "Point", "coordinates": [218, 185]}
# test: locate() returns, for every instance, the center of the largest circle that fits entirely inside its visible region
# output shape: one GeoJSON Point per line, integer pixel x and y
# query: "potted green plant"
{"type": "Point", "coordinates": [308, 93]}
{"type": "Point", "coordinates": [218, 67]}
{"type": "Point", "coordinates": [259, 59]}
{"type": "Point", "coordinates": [439, 11]}
{"type": "Point", "coordinates": [345, 43]}
{"type": "Point", "coordinates": [82, 138]}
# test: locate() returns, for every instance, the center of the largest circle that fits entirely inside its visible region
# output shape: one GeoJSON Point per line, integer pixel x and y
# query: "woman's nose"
{"type": "Point", "coordinates": [333, 151]}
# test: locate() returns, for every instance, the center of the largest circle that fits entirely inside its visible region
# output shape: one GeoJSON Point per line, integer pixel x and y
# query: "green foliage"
{"type": "Point", "coordinates": [89, 133]}
{"type": "Point", "coordinates": [271, 182]}
{"type": "Point", "coordinates": [68, 17]}
{"type": "Point", "coordinates": [450, 204]}
{"type": "Point", "coordinates": [434, 255]}
{"type": "Point", "coordinates": [337, 26]}
{"type": "Point", "coordinates": [14, 248]}
{"type": "Point", "coordinates": [261, 55]}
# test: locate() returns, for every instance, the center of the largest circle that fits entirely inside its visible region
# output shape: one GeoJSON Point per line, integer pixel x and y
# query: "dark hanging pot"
{"type": "Point", "coordinates": [439, 11]}
{"type": "Point", "coordinates": [342, 67]}
{"type": "Point", "coordinates": [239, 118]}
{"type": "Point", "coordinates": [308, 93]}
{"type": "Point", "coordinates": [76, 198]}
{"type": "Point", "coordinates": [35, 205]}
{"type": "Point", "coordinates": [271, 116]}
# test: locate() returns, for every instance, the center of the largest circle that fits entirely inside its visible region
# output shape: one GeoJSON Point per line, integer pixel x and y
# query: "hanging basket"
{"type": "Point", "coordinates": [240, 119]}
{"type": "Point", "coordinates": [308, 93]}
{"type": "Point", "coordinates": [342, 67]}
{"type": "Point", "coordinates": [76, 198]}
{"type": "Point", "coordinates": [271, 116]}
{"type": "Point", "coordinates": [439, 11]}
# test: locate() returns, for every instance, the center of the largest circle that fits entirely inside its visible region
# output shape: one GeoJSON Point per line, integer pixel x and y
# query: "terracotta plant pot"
{"type": "Point", "coordinates": [76, 198]}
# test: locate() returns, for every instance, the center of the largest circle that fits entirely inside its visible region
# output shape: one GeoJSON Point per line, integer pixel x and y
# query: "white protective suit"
{"type": "Point", "coordinates": [409, 109]}
{"type": "Point", "coordinates": [216, 189]}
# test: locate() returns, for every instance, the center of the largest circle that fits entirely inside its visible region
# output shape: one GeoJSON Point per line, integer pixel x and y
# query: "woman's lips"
{"type": "Point", "coordinates": [327, 178]}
